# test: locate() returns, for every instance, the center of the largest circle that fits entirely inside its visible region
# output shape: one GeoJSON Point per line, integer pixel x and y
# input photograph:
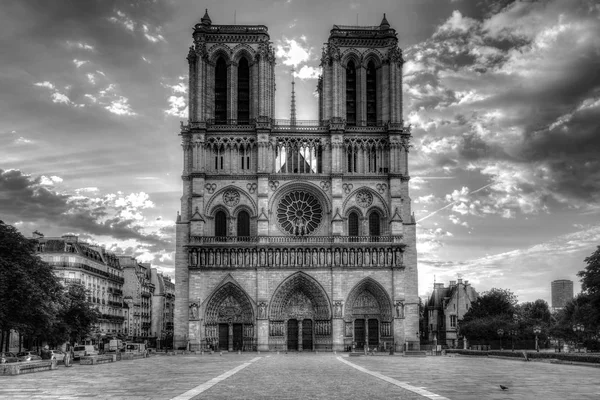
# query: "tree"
{"type": "Point", "coordinates": [493, 310]}
{"type": "Point", "coordinates": [590, 286]}
{"type": "Point", "coordinates": [29, 291]}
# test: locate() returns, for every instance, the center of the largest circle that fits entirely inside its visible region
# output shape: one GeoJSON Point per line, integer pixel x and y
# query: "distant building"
{"type": "Point", "coordinates": [163, 306]}
{"type": "Point", "coordinates": [444, 308]}
{"type": "Point", "coordinates": [95, 268]}
{"type": "Point", "coordinates": [562, 293]}
{"type": "Point", "coordinates": [138, 290]}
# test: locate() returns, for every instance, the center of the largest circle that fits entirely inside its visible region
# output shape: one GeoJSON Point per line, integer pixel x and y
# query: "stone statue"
{"type": "Point", "coordinates": [246, 257]}
{"type": "Point", "coordinates": [270, 257]}
{"type": "Point", "coordinates": [315, 258]}
{"type": "Point", "coordinates": [337, 257]}
{"type": "Point", "coordinates": [194, 311]}
{"type": "Point", "coordinates": [399, 309]}
{"type": "Point", "coordinates": [285, 257]}
{"type": "Point", "coordinates": [262, 310]}
{"type": "Point", "coordinates": [277, 258]}
{"type": "Point", "coordinates": [254, 258]}
{"type": "Point", "coordinates": [337, 311]}
{"type": "Point", "coordinates": [390, 257]}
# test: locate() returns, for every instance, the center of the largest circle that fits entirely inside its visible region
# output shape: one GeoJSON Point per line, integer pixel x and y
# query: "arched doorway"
{"type": "Point", "coordinates": [229, 320]}
{"type": "Point", "coordinates": [300, 315]}
{"type": "Point", "coordinates": [368, 316]}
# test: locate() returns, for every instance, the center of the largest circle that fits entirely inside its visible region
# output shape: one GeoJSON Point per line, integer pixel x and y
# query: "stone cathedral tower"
{"type": "Point", "coordinates": [295, 235]}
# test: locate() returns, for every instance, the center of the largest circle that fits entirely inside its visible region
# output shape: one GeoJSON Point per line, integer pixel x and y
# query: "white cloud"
{"type": "Point", "coordinates": [50, 180]}
{"type": "Point", "coordinates": [291, 52]}
{"type": "Point", "coordinates": [58, 97]}
{"type": "Point", "coordinates": [120, 107]}
{"type": "Point", "coordinates": [91, 78]}
{"type": "Point", "coordinates": [45, 84]}
{"type": "Point", "coordinates": [22, 140]}
{"type": "Point", "coordinates": [146, 60]}
{"type": "Point", "coordinates": [307, 72]}
{"type": "Point", "coordinates": [80, 45]}
{"type": "Point", "coordinates": [79, 63]}
{"type": "Point", "coordinates": [178, 107]}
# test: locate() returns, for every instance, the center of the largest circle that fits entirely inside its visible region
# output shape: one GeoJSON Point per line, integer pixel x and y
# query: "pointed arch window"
{"type": "Point", "coordinates": [351, 93]}
{"type": "Point", "coordinates": [221, 91]}
{"type": "Point", "coordinates": [243, 224]}
{"type": "Point", "coordinates": [374, 226]}
{"type": "Point", "coordinates": [353, 225]}
{"type": "Point", "coordinates": [243, 105]}
{"type": "Point", "coordinates": [371, 94]}
{"type": "Point", "coordinates": [220, 224]}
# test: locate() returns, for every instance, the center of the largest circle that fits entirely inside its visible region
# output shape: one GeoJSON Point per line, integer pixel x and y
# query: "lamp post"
{"type": "Point", "coordinates": [512, 333]}
{"type": "Point", "coordinates": [537, 330]}
{"type": "Point", "coordinates": [577, 328]}
{"type": "Point", "coordinates": [500, 333]}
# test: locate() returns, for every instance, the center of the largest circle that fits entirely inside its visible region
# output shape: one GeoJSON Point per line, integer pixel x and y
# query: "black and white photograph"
{"type": "Point", "coordinates": [296, 199]}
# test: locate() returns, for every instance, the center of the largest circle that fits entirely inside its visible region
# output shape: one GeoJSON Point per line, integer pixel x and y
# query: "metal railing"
{"type": "Point", "coordinates": [294, 239]}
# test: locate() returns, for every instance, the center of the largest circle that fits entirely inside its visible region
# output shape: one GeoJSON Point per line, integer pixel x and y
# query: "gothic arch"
{"type": "Point", "coordinates": [243, 50]}
{"type": "Point", "coordinates": [245, 199]}
{"type": "Point", "coordinates": [243, 207]}
{"type": "Point", "coordinates": [380, 204]}
{"type": "Point", "coordinates": [229, 303]}
{"type": "Point", "coordinates": [375, 55]}
{"type": "Point", "coordinates": [355, 209]}
{"type": "Point", "coordinates": [301, 185]}
{"type": "Point", "coordinates": [368, 289]}
{"type": "Point", "coordinates": [219, 50]}
{"type": "Point", "coordinates": [300, 286]}
{"type": "Point", "coordinates": [351, 54]}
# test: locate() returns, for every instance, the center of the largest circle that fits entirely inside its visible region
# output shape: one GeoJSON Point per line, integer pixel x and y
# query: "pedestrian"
{"type": "Point", "coordinates": [46, 355]}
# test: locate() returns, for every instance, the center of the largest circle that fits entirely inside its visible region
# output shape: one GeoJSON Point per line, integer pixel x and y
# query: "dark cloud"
{"type": "Point", "coordinates": [24, 198]}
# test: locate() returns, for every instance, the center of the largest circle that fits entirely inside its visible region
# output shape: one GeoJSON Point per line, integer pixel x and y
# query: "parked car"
{"type": "Point", "coordinates": [57, 354]}
{"type": "Point", "coordinates": [82, 351]}
{"type": "Point", "coordinates": [28, 356]}
{"type": "Point", "coordinates": [8, 357]}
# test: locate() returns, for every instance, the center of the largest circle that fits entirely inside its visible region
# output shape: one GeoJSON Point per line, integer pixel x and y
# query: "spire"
{"type": "Point", "coordinates": [384, 23]}
{"type": "Point", "coordinates": [293, 105]}
{"type": "Point", "coordinates": [206, 19]}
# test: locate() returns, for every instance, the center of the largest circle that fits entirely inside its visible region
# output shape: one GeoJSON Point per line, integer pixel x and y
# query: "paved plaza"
{"type": "Point", "coordinates": [308, 376]}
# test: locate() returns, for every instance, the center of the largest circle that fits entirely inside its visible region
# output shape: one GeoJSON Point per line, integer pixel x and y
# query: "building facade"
{"type": "Point", "coordinates": [92, 266]}
{"type": "Point", "coordinates": [138, 291]}
{"type": "Point", "coordinates": [163, 306]}
{"type": "Point", "coordinates": [444, 309]}
{"type": "Point", "coordinates": [295, 235]}
{"type": "Point", "coordinates": [562, 293]}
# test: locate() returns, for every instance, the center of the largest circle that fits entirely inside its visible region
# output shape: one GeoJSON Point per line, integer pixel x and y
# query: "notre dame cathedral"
{"type": "Point", "coordinates": [295, 235]}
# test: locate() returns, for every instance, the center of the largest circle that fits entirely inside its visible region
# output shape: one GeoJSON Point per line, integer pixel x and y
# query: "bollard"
{"type": "Point", "coordinates": [239, 352]}
{"type": "Point", "coordinates": [220, 353]}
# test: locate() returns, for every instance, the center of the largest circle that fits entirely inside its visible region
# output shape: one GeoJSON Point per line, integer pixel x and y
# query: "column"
{"type": "Point", "coordinates": [230, 348]}
{"type": "Point", "coordinates": [300, 335]}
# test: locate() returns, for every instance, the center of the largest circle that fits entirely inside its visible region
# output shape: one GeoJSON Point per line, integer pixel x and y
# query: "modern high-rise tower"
{"type": "Point", "coordinates": [295, 235]}
{"type": "Point", "coordinates": [562, 292]}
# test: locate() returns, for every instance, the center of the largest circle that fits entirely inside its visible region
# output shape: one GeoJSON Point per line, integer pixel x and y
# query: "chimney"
{"type": "Point", "coordinates": [438, 285]}
{"type": "Point", "coordinates": [452, 283]}
{"type": "Point", "coordinates": [459, 281]}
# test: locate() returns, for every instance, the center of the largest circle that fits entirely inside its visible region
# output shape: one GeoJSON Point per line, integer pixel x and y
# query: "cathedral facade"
{"type": "Point", "coordinates": [295, 235]}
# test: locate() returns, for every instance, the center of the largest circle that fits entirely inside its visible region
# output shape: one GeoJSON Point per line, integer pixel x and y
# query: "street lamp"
{"type": "Point", "coordinates": [500, 333]}
{"type": "Point", "coordinates": [577, 328]}
{"type": "Point", "coordinates": [513, 333]}
{"type": "Point", "coordinates": [537, 330]}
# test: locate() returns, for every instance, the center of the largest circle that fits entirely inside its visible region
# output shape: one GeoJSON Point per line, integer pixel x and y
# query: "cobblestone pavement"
{"type": "Point", "coordinates": [308, 376]}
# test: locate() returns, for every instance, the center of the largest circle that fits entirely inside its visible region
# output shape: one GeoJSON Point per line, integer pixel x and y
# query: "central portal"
{"type": "Point", "coordinates": [292, 335]}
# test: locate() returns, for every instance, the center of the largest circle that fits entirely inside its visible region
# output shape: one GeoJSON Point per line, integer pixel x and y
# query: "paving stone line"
{"type": "Point", "coordinates": [403, 385]}
{"type": "Point", "coordinates": [207, 385]}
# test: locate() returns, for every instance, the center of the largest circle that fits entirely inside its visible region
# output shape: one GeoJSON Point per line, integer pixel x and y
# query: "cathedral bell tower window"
{"type": "Point", "coordinates": [243, 224]}
{"type": "Point", "coordinates": [351, 93]}
{"type": "Point", "coordinates": [243, 104]}
{"type": "Point", "coordinates": [220, 224]}
{"type": "Point", "coordinates": [221, 91]}
{"type": "Point", "coordinates": [371, 94]}
{"type": "Point", "coordinates": [374, 226]}
{"type": "Point", "coordinates": [353, 226]}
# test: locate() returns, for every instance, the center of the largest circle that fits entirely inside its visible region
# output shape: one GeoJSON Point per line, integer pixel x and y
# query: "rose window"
{"type": "Point", "coordinates": [299, 213]}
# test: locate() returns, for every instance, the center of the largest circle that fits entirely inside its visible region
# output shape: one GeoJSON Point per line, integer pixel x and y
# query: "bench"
{"type": "Point", "coordinates": [27, 367]}
{"type": "Point", "coordinates": [94, 360]}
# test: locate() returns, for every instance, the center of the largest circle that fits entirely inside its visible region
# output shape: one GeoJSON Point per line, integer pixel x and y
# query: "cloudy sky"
{"type": "Point", "coordinates": [503, 98]}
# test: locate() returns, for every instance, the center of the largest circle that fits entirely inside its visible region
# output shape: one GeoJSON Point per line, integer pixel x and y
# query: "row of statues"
{"type": "Point", "coordinates": [252, 257]}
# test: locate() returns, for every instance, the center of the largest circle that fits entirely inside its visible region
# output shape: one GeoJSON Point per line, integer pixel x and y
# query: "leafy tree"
{"type": "Point", "coordinates": [29, 291]}
{"type": "Point", "coordinates": [493, 310]}
{"type": "Point", "coordinates": [532, 314]}
{"type": "Point", "coordinates": [590, 286]}
{"type": "Point", "coordinates": [76, 316]}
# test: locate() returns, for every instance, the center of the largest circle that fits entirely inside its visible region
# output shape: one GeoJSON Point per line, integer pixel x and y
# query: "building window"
{"type": "Point", "coordinates": [243, 110]}
{"type": "Point", "coordinates": [220, 224]}
{"type": "Point", "coordinates": [374, 224]}
{"type": "Point", "coordinates": [221, 91]}
{"type": "Point", "coordinates": [353, 224]}
{"type": "Point", "coordinates": [243, 224]}
{"type": "Point", "coordinates": [351, 94]}
{"type": "Point", "coordinates": [453, 321]}
{"type": "Point", "coordinates": [371, 94]}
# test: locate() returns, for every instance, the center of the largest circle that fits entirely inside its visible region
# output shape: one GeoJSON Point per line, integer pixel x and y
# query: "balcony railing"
{"type": "Point", "coordinates": [293, 239]}
{"type": "Point", "coordinates": [290, 125]}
